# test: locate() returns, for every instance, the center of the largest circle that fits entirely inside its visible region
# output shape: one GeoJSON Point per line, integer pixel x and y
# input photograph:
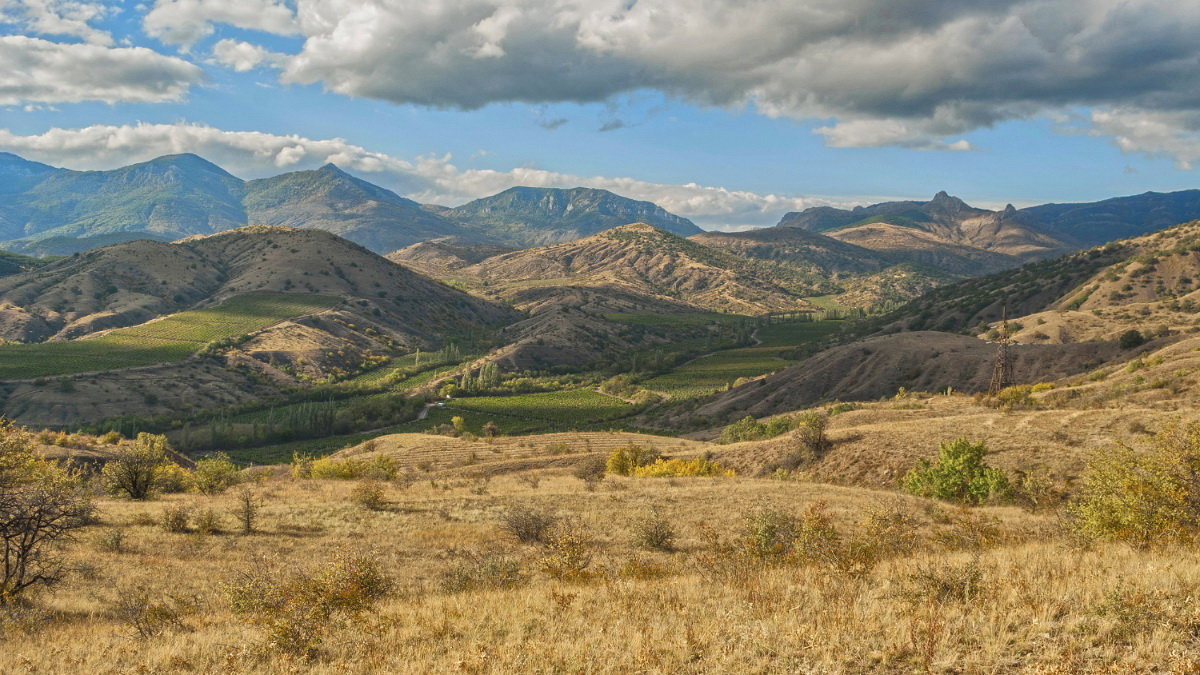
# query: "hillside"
{"type": "Point", "coordinates": [442, 257]}
{"type": "Point", "coordinates": [527, 216]}
{"type": "Point", "coordinates": [643, 260]}
{"type": "Point", "coordinates": [1066, 317]}
{"type": "Point", "coordinates": [378, 309]}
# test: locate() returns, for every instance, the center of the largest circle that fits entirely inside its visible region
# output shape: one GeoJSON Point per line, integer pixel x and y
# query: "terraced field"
{"type": "Point", "coordinates": [171, 339]}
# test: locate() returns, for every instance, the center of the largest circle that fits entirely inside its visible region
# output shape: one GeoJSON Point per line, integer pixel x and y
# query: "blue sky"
{"type": "Point", "coordinates": [732, 125]}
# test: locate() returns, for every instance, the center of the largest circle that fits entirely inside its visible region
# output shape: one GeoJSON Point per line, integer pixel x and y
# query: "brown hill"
{"type": "Point", "coordinates": [643, 260]}
{"type": "Point", "coordinates": [443, 257]}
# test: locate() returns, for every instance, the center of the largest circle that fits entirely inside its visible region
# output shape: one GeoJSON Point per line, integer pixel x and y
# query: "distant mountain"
{"type": "Point", "coordinates": [1094, 223]}
{"type": "Point", "coordinates": [172, 196]}
{"type": "Point", "coordinates": [945, 222]}
{"type": "Point", "coordinates": [45, 210]}
{"type": "Point", "coordinates": [527, 216]}
{"type": "Point", "coordinates": [332, 200]}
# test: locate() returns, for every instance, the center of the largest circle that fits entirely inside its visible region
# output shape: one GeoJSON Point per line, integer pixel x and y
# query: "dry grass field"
{"type": "Point", "coordinates": [908, 585]}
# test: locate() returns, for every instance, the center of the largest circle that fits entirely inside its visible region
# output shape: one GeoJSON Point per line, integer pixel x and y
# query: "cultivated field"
{"type": "Point", "coordinates": [171, 339]}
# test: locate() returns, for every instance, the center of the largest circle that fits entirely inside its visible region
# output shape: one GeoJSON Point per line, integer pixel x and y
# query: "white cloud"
{"type": "Point", "coordinates": [242, 56]}
{"type": "Point", "coordinates": [41, 71]}
{"type": "Point", "coordinates": [1175, 135]}
{"type": "Point", "coordinates": [183, 22]}
{"type": "Point", "coordinates": [69, 18]}
{"type": "Point", "coordinates": [429, 179]}
{"type": "Point", "coordinates": [908, 73]}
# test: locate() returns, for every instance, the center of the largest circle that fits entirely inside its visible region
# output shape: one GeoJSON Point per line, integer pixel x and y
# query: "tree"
{"type": "Point", "coordinates": [215, 474]}
{"type": "Point", "coordinates": [134, 470]}
{"type": "Point", "coordinates": [41, 505]}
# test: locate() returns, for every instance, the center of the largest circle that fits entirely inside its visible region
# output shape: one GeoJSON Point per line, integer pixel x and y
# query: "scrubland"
{"type": "Point", "coordinates": [427, 572]}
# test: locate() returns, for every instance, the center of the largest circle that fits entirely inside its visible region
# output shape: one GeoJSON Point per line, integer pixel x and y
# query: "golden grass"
{"type": "Point", "coordinates": [1040, 606]}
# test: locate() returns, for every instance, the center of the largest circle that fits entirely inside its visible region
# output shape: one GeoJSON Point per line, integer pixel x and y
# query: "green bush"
{"type": "Point", "coordinates": [1142, 497]}
{"type": "Point", "coordinates": [1131, 338]}
{"type": "Point", "coordinates": [214, 474]}
{"type": "Point", "coordinates": [959, 475]}
{"type": "Point", "coordinates": [135, 471]}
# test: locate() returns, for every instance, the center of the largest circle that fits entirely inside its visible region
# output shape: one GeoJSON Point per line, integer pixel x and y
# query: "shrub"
{"type": "Point", "coordinates": [943, 583]}
{"type": "Point", "coordinates": [41, 506]}
{"type": "Point", "coordinates": [681, 468]}
{"type": "Point", "coordinates": [959, 475]}
{"type": "Point", "coordinates": [379, 467]}
{"type": "Point", "coordinates": [654, 532]}
{"type": "Point", "coordinates": [768, 534]}
{"type": "Point", "coordinates": [1142, 497]}
{"type": "Point", "coordinates": [369, 495]}
{"type": "Point", "coordinates": [590, 470]}
{"type": "Point", "coordinates": [134, 470]}
{"type": "Point", "coordinates": [110, 438]}
{"type": "Point", "coordinates": [568, 553]}
{"type": "Point", "coordinates": [529, 526]}
{"type": "Point", "coordinates": [483, 571]}
{"type": "Point", "coordinates": [176, 518]}
{"type": "Point", "coordinates": [296, 609]}
{"type": "Point", "coordinates": [172, 479]}
{"type": "Point", "coordinates": [810, 432]}
{"type": "Point", "coordinates": [1131, 338]}
{"type": "Point", "coordinates": [111, 541]}
{"type": "Point", "coordinates": [625, 459]}
{"type": "Point", "coordinates": [208, 522]}
{"type": "Point", "coordinates": [1016, 396]}
{"type": "Point", "coordinates": [214, 474]}
{"type": "Point", "coordinates": [147, 617]}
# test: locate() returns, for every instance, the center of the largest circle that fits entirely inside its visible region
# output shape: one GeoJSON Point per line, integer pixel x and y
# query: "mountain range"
{"type": "Point", "coordinates": [49, 211]}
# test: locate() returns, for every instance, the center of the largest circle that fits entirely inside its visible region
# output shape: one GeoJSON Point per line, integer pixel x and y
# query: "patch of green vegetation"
{"type": "Point", "coordinates": [677, 320]}
{"type": "Point", "coordinates": [796, 333]}
{"type": "Point", "coordinates": [571, 406]}
{"type": "Point", "coordinates": [174, 338]}
{"type": "Point", "coordinates": [710, 374]}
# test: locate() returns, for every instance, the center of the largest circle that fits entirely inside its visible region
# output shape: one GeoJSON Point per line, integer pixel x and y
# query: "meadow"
{"type": "Point", "coordinates": [173, 338]}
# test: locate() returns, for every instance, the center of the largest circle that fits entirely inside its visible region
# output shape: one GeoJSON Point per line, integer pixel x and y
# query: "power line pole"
{"type": "Point", "coordinates": [1002, 370]}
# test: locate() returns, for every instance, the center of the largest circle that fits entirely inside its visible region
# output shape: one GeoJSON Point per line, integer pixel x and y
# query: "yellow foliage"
{"type": "Point", "coordinates": [681, 468]}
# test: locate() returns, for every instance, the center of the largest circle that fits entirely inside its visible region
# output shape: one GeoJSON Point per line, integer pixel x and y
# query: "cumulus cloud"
{"type": "Point", "coordinates": [68, 18]}
{"type": "Point", "coordinates": [184, 22]}
{"type": "Point", "coordinates": [428, 179]}
{"type": "Point", "coordinates": [908, 73]}
{"type": "Point", "coordinates": [1175, 135]}
{"type": "Point", "coordinates": [242, 56]}
{"type": "Point", "coordinates": [41, 71]}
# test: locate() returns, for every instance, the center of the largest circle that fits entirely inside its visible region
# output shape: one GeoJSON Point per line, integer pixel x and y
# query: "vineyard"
{"type": "Point", "coordinates": [571, 406]}
{"type": "Point", "coordinates": [710, 374]}
{"type": "Point", "coordinates": [171, 339]}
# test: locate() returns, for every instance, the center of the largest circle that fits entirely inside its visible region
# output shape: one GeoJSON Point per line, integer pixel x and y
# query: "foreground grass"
{"type": "Point", "coordinates": [1016, 600]}
{"type": "Point", "coordinates": [171, 339]}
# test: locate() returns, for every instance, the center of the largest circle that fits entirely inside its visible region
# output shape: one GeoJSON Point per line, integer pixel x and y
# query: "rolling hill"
{"type": "Point", "coordinates": [643, 260]}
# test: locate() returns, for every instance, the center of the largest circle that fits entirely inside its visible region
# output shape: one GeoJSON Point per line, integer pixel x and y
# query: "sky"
{"type": "Point", "coordinates": [729, 112]}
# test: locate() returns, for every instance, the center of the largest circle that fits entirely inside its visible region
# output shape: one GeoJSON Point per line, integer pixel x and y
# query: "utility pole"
{"type": "Point", "coordinates": [1002, 370]}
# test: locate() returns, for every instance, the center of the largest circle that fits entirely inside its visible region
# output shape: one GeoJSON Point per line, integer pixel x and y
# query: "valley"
{"type": "Point", "coordinates": [522, 419]}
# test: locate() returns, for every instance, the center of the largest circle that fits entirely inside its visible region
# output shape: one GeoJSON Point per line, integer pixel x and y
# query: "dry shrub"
{"type": "Point", "coordinates": [296, 608]}
{"type": "Point", "coordinates": [654, 532]}
{"type": "Point", "coordinates": [967, 531]}
{"type": "Point", "coordinates": [111, 541]}
{"type": "Point", "coordinates": [590, 470]}
{"type": "Point", "coordinates": [943, 583]}
{"type": "Point", "coordinates": [528, 525]}
{"type": "Point", "coordinates": [369, 495]}
{"type": "Point", "coordinates": [176, 518]}
{"type": "Point", "coordinates": [483, 571]}
{"type": "Point", "coordinates": [208, 522]}
{"type": "Point", "coordinates": [148, 618]}
{"type": "Point", "coordinates": [640, 568]}
{"type": "Point", "coordinates": [247, 507]}
{"type": "Point", "coordinates": [568, 555]}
